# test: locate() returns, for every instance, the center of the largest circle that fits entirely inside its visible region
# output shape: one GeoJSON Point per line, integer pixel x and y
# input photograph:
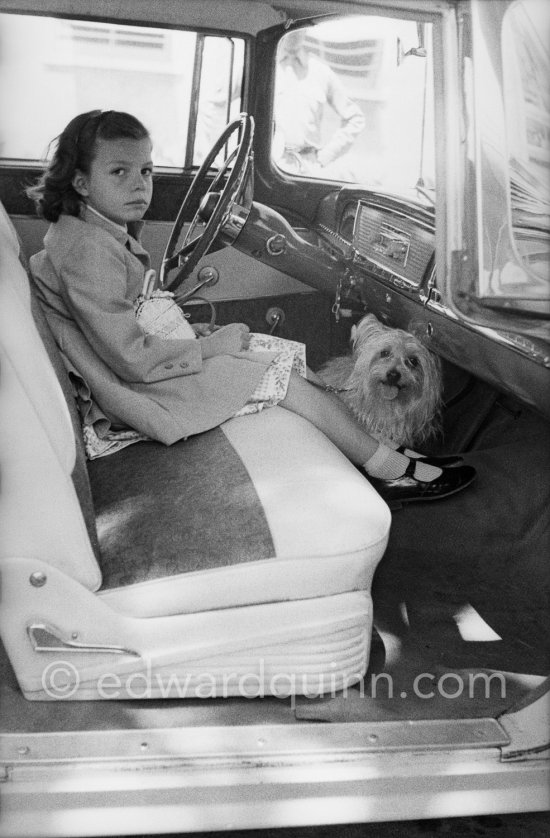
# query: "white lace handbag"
{"type": "Point", "coordinates": [158, 313]}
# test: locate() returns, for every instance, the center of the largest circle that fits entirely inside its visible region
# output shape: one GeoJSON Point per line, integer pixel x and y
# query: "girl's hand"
{"type": "Point", "coordinates": [226, 341]}
{"type": "Point", "coordinates": [203, 330]}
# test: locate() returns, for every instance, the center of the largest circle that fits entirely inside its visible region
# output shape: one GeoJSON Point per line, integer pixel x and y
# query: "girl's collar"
{"type": "Point", "coordinates": [121, 227]}
{"type": "Point", "coordinates": [121, 233]}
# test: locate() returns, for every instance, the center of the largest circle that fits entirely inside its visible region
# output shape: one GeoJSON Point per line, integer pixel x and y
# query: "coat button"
{"type": "Point", "coordinates": [168, 366]}
{"type": "Point", "coordinates": [184, 365]}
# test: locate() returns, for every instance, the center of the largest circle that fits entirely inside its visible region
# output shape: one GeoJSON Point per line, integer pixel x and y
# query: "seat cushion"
{"type": "Point", "coordinates": [262, 509]}
{"type": "Point", "coordinates": [178, 509]}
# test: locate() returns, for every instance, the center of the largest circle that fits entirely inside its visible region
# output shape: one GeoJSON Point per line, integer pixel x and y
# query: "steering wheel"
{"type": "Point", "coordinates": [225, 212]}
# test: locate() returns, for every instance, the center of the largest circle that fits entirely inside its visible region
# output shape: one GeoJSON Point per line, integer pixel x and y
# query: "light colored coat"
{"type": "Point", "coordinates": [87, 277]}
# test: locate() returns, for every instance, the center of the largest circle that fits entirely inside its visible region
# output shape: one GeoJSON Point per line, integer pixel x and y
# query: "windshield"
{"type": "Point", "coordinates": [354, 103]}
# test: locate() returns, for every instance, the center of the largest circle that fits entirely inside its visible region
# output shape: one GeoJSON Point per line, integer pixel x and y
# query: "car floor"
{"type": "Point", "coordinates": [461, 591]}
{"type": "Point", "coordinates": [532, 824]}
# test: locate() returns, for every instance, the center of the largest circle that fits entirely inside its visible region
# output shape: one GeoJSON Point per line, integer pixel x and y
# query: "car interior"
{"type": "Point", "coordinates": [250, 575]}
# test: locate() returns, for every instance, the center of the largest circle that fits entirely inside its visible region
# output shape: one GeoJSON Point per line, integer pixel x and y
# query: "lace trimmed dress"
{"type": "Point", "coordinates": [171, 323]}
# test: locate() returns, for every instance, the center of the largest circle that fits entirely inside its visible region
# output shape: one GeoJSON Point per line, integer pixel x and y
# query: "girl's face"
{"type": "Point", "coordinates": [119, 184]}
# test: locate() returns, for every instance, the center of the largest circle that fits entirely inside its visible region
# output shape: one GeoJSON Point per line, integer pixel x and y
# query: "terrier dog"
{"type": "Point", "coordinates": [391, 382]}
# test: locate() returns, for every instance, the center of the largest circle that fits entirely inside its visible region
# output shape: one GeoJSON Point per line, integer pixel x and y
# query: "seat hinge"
{"type": "Point", "coordinates": [48, 639]}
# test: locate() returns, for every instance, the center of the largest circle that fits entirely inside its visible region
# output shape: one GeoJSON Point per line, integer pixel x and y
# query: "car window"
{"type": "Point", "coordinates": [526, 28]}
{"type": "Point", "coordinates": [54, 68]}
{"type": "Point", "coordinates": [354, 102]}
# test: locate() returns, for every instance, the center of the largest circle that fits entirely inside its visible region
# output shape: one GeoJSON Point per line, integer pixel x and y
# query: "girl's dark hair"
{"type": "Point", "coordinates": [75, 148]}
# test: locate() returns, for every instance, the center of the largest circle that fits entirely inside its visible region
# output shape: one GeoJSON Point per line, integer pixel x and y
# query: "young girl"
{"type": "Point", "coordinates": [95, 192]}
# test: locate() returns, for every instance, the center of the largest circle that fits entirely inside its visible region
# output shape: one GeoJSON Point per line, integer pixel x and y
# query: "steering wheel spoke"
{"type": "Point", "coordinates": [215, 204]}
{"type": "Point", "coordinates": [223, 171]}
{"type": "Point", "coordinates": [188, 238]}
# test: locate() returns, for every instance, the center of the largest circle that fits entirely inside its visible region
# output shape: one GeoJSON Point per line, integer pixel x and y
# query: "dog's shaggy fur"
{"type": "Point", "coordinates": [392, 383]}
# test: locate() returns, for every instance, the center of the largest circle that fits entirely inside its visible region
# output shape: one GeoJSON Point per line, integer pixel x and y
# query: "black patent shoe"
{"type": "Point", "coordinates": [408, 488]}
{"type": "Point", "coordinates": [441, 462]}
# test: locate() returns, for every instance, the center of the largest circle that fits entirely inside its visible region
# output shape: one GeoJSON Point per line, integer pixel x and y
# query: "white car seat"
{"type": "Point", "coordinates": [238, 562]}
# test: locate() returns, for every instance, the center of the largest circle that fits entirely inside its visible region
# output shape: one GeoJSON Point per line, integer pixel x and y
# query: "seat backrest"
{"type": "Point", "coordinates": [46, 509]}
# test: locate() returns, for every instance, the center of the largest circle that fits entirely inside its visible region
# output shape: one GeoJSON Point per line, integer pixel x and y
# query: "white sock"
{"type": "Point", "coordinates": [387, 464]}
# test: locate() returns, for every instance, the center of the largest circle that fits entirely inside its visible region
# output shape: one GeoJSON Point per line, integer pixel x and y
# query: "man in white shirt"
{"type": "Point", "coordinates": [305, 85]}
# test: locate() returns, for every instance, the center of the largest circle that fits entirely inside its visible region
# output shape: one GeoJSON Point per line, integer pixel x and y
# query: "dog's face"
{"type": "Point", "coordinates": [394, 386]}
{"type": "Point", "coordinates": [391, 382]}
{"type": "Point", "coordinates": [392, 363]}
